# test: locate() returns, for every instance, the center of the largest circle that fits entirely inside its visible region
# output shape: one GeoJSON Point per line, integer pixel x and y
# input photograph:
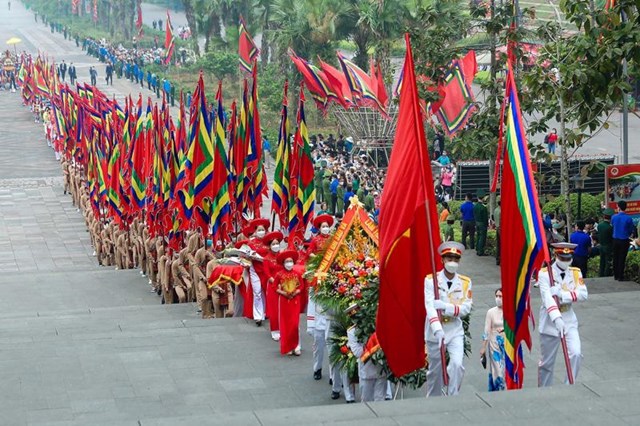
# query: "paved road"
{"type": "Point", "coordinates": [87, 344]}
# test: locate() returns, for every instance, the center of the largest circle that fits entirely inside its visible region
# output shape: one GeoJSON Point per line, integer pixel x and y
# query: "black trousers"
{"type": "Point", "coordinates": [580, 262]}
{"type": "Point", "coordinates": [620, 250]}
{"type": "Point", "coordinates": [468, 228]}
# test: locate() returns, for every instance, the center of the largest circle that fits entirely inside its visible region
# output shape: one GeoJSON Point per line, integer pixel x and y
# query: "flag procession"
{"type": "Point", "coordinates": [186, 194]}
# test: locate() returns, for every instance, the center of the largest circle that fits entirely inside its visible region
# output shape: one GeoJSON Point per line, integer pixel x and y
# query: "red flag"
{"type": "Point", "coordinates": [169, 41]}
{"type": "Point", "coordinates": [338, 83]}
{"type": "Point", "coordinates": [247, 49]}
{"type": "Point", "coordinates": [409, 235]}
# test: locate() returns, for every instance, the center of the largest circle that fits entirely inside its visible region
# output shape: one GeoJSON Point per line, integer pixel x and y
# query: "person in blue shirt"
{"type": "Point", "coordinates": [468, 221]}
{"type": "Point", "coordinates": [583, 247]}
{"type": "Point", "coordinates": [334, 193]}
{"type": "Point", "coordinates": [149, 80]}
{"type": "Point", "coordinates": [444, 160]}
{"type": "Point", "coordinates": [622, 231]}
{"type": "Point", "coordinates": [266, 147]}
{"type": "Point", "coordinates": [347, 197]}
{"type": "Point", "coordinates": [188, 100]}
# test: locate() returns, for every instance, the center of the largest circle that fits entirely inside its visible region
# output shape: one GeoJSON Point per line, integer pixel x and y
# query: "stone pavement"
{"type": "Point", "coordinates": [82, 344]}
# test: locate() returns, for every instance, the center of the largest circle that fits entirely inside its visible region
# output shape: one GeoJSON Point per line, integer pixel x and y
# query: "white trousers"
{"type": "Point", "coordinates": [455, 369]}
{"type": "Point", "coordinates": [373, 389]}
{"type": "Point", "coordinates": [341, 380]}
{"type": "Point", "coordinates": [549, 349]}
{"type": "Point", "coordinates": [258, 299]}
{"type": "Point", "coordinates": [319, 346]}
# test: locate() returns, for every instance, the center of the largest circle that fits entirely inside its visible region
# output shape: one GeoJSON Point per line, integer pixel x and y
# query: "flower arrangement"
{"type": "Point", "coordinates": [354, 269]}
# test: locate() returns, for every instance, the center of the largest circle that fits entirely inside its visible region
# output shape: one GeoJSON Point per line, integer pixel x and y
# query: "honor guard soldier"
{"type": "Point", "coordinates": [557, 317]}
{"type": "Point", "coordinates": [444, 323]}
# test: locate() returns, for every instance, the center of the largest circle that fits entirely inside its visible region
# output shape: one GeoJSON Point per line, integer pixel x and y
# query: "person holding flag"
{"type": "Point", "coordinates": [444, 320]}
{"type": "Point", "coordinates": [557, 318]}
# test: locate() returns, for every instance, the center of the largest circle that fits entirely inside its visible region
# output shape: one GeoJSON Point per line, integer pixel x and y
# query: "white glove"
{"type": "Point", "coordinates": [439, 335]}
{"type": "Point", "coordinates": [559, 323]}
{"type": "Point", "coordinates": [439, 304]}
{"type": "Point", "coordinates": [555, 290]}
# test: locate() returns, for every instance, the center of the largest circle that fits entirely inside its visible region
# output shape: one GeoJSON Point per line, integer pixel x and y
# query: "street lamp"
{"type": "Point", "coordinates": [578, 184]}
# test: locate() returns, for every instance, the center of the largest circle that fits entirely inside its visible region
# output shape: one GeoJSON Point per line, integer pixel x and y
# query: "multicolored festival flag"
{"type": "Point", "coordinates": [363, 87]}
{"type": "Point", "coordinates": [221, 201]}
{"type": "Point", "coordinates": [523, 245]}
{"type": "Point", "coordinates": [409, 235]}
{"type": "Point", "coordinates": [459, 103]}
{"type": "Point", "coordinates": [247, 49]}
{"type": "Point", "coordinates": [280, 197]}
{"type": "Point", "coordinates": [169, 41]}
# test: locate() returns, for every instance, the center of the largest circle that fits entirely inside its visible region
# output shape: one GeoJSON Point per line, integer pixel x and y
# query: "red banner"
{"type": "Point", "coordinates": [623, 183]}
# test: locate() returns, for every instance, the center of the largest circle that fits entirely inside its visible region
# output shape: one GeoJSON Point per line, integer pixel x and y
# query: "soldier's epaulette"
{"type": "Point", "coordinates": [573, 268]}
{"type": "Point", "coordinates": [464, 277]}
{"type": "Point", "coordinates": [430, 276]}
{"type": "Point", "coordinates": [352, 327]}
{"type": "Point", "coordinates": [542, 269]}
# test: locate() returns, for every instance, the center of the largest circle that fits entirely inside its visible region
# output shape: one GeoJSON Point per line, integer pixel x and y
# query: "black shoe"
{"type": "Point", "coordinates": [335, 395]}
{"type": "Point", "coordinates": [330, 382]}
{"type": "Point", "coordinates": [350, 402]}
{"type": "Point", "coordinates": [258, 323]}
{"type": "Point", "coordinates": [317, 375]}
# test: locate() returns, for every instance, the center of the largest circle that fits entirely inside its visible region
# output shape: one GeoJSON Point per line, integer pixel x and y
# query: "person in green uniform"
{"type": "Point", "coordinates": [361, 193]}
{"type": "Point", "coordinates": [481, 215]}
{"type": "Point", "coordinates": [605, 238]}
{"type": "Point", "coordinates": [369, 201]}
{"type": "Point", "coordinates": [326, 190]}
{"type": "Point", "coordinates": [340, 202]}
{"type": "Point", "coordinates": [447, 229]}
{"type": "Point", "coordinates": [355, 184]}
{"type": "Point", "coordinates": [317, 179]}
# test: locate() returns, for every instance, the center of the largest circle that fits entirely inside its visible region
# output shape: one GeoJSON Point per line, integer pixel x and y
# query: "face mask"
{"type": "Point", "coordinates": [325, 230]}
{"type": "Point", "coordinates": [260, 234]}
{"type": "Point", "coordinates": [288, 265]}
{"type": "Point", "coordinates": [499, 302]}
{"type": "Point", "coordinates": [563, 264]}
{"type": "Point", "coordinates": [451, 267]}
{"type": "Point", "coordinates": [275, 248]}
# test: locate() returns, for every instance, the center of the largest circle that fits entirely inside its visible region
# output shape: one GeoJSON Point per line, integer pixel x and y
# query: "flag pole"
{"type": "Point", "coordinates": [436, 292]}
{"type": "Point", "coordinates": [563, 339]}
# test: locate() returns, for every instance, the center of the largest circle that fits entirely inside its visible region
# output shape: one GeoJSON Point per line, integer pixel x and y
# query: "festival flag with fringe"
{"type": "Point", "coordinates": [302, 190]}
{"type": "Point", "coordinates": [169, 41]}
{"type": "Point", "coordinates": [315, 81]}
{"type": "Point", "coordinates": [247, 49]}
{"type": "Point", "coordinates": [338, 83]}
{"type": "Point", "coordinates": [280, 197]}
{"type": "Point", "coordinates": [221, 202]}
{"type": "Point", "coordinates": [200, 170]}
{"type": "Point", "coordinates": [459, 103]}
{"type": "Point", "coordinates": [257, 184]}
{"type": "Point", "coordinates": [523, 245]}
{"type": "Point", "coordinates": [362, 87]}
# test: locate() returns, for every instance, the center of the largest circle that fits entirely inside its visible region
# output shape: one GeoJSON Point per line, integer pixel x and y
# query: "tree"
{"type": "Point", "coordinates": [578, 79]}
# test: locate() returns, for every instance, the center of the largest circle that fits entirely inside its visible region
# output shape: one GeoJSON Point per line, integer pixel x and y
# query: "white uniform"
{"type": "Point", "coordinates": [258, 299]}
{"type": "Point", "coordinates": [373, 381]}
{"type": "Point", "coordinates": [458, 303]}
{"type": "Point", "coordinates": [572, 290]}
{"type": "Point", "coordinates": [317, 328]}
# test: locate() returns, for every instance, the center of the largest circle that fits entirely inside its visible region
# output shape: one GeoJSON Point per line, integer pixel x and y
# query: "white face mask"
{"type": "Point", "coordinates": [325, 230]}
{"type": "Point", "coordinates": [260, 233]}
{"type": "Point", "coordinates": [499, 302]}
{"type": "Point", "coordinates": [563, 264]}
{"type": "Point", "coordinates": [288, 265]}
{"type": "Point", "coordinates": [275, 248]}
{"type": "Point", "coordinates": [451, 267]}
